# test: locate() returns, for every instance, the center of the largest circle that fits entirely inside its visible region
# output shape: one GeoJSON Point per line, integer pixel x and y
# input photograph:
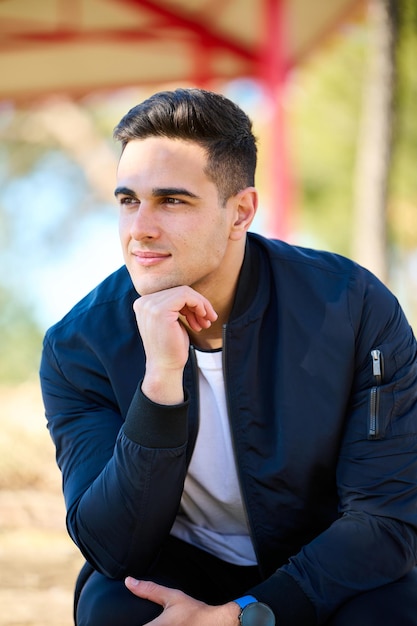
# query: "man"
{"type": "Point", "coordinates": [235, 418]}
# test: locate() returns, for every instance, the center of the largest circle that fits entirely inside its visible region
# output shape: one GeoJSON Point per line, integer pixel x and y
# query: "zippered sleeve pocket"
{"type": "Point", "coordinates": [374, 403]}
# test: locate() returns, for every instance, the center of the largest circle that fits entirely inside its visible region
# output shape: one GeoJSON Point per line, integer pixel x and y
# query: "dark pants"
{"type": "Point", "coordinates": [105, 602]}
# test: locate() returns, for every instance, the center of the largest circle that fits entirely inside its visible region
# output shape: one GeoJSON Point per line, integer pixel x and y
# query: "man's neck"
{"type": "Point", "coordinates": [222, 296]}
{"type": "Point", "coordinates": [208, 339]}
{"type": "Point", "coordinates": [212, 338]}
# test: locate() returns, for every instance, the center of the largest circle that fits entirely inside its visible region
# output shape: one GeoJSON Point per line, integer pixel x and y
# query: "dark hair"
{"type": "Point", "coordinates": [210, 120]}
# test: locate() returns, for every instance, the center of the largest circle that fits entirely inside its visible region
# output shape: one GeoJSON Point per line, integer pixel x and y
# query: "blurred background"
{"type": "Point", "coordinates": [332, 90]}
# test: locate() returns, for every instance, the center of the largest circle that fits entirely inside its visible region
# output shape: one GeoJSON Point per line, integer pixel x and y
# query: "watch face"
{"type": "Point", "coordinates": [257, 614]}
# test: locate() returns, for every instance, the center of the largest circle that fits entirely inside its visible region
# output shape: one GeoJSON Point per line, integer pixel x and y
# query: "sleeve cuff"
{"type": "Point", "coordinates": [287, 600]}
{"type": "Point", "coordinates": [155, 425]}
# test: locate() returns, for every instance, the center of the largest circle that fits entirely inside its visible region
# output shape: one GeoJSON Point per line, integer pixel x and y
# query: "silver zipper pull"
{"type": "Point", "coordinates": [376, 363]}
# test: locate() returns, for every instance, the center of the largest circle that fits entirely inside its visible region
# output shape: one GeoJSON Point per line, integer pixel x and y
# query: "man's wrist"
{"type": "Point", "coordinates": [233, 612]}
{"type": "Point", "coordinates": [254, 613]}
{"type": "Point", "coordinates": [164, 387]}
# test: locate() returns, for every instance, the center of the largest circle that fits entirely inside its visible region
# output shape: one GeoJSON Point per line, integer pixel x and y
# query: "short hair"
{"type": "Point", "coordinates": [209, 119]}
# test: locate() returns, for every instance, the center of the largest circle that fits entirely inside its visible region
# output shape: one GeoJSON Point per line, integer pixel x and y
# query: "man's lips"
{"type": "Point", "coordinates": [147, 258]}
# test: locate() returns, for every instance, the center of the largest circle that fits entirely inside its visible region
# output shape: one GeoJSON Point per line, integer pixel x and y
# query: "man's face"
{"type": "Point", "coordinates": [173, 229]}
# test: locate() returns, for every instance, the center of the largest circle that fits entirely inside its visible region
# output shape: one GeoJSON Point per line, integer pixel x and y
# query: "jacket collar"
{"type": "Point", "coordinates": [252, 292]}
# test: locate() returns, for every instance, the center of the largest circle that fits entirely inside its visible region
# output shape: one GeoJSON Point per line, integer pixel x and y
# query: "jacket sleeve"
{"type": "Point", "coordinates": [115, 475]}
{"type": "Point", "coordinates": [374, 540]}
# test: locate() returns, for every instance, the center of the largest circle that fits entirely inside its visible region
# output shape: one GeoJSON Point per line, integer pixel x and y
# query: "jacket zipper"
{"type": "Point", "coordinates": [377, 370]}
{"type": "Point", "coordinates": [194, 373]}
{"type": "Point", "coordinates": [238, 468]}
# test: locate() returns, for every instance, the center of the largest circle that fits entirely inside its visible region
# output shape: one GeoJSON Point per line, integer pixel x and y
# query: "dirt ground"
{"type": "Point", "coordinates": [38, 561]}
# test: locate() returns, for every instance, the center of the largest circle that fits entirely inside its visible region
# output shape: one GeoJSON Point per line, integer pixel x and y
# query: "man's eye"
{"type": "Point", "coordinates": [172, 201]}
{"type": "Point", "coordinates": [128, 200]}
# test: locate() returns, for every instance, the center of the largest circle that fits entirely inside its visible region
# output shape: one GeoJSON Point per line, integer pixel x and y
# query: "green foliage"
{"type": "Point", "coordinates": [23, 142]}
{"type": "Point", "coordinates": [324, 112]}
{"type": "Point", "coordinates": [324, 106]}
{"type": "Point", "coordinates": [403, 181]}
{"type": "Point", "coordinates": [21, 339]}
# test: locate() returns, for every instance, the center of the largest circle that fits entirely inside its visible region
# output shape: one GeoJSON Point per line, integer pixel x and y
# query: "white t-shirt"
{"type": "Point", "coordinates": [212, 515]}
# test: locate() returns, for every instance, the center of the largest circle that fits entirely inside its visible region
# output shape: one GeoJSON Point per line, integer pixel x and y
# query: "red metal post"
{"type": "Point", "coordinates": [273, 73]}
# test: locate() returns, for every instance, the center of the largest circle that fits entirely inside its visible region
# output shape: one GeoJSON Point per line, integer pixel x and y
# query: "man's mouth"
{"type": "Point", "coordinates": [148, 258]}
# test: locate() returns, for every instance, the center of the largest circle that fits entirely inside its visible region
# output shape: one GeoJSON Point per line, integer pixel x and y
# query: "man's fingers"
{"type": "Point", "coordinates": [182, 300]}
{"type": "Point", "coordinates": [150, 591]}
{"type": "Point", "coordinates": [199, 316]}
{"type": "Point", "coordinates": [194, 320]}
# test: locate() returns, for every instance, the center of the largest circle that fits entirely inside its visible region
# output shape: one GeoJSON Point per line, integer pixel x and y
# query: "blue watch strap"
{"type": "Point", "coordinates": [245, 600]}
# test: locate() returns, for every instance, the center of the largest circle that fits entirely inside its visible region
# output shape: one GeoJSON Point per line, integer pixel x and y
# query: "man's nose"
{"type": "Point", "coordinates": [144, 224]}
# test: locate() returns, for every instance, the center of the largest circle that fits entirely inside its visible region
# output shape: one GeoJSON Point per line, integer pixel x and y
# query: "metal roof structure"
{"type": "Point", "coordinates": [78, 46]}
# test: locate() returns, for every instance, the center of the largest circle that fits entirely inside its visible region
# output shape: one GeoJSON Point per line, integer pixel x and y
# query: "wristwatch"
{"type": "Point", "coordinates": [254, 613]}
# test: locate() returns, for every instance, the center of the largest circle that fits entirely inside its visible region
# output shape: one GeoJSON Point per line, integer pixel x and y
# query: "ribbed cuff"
{"type": "Point", "coordinates": [155, 425]}
{"type": "Point", "coordinates": [287, 600]}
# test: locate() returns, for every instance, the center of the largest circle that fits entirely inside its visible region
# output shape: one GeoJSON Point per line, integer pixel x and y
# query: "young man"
{"type": "Point", "coordinates": [235, 418]}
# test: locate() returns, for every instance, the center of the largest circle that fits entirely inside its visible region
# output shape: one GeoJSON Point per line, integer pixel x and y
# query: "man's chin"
{"type": "Point", "coordinates": [145, 288]}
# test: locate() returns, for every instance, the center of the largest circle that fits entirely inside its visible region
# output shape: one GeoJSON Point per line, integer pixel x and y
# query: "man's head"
{"type": "Point", "coordinates": [185, 192]}
{"type": "Point", "coordinates": [208, 119]}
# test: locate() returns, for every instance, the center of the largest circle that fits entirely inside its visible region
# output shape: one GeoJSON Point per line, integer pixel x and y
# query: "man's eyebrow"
{"type": "Point", "coordinates": [159, 192]}
{"type": "Point", "coordinates": [125, 191]}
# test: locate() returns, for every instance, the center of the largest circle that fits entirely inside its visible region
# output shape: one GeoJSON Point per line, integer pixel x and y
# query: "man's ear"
{"type": "Point", "coordinates": [246, 204]}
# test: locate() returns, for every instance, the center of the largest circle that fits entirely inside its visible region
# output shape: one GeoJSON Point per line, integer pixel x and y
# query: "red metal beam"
{"type": "Point", "coordinates": [209, 37]}
{"type": "Point", "coordinates": [63, 36]}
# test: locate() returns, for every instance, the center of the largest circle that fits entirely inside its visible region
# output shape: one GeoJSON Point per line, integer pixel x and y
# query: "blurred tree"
{"type": "Point", "coordinates": [374, 139]}
{"type": "Point", "coordinates": [402, 204]}
{"type": "Point", "coordinates": [54, 173]}
{"type": "Point", "coordinates": [20, 338]}
{"type": "Point", "coordinates": [324, 105]}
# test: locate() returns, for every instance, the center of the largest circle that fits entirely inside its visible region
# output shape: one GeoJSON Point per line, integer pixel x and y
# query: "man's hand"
{"type": "Point", "coordinates": [182, 610]}
{"type": "Point", "coordinates": [160, 318]}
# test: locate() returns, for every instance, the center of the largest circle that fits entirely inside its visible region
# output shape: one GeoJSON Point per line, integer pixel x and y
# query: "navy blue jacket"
{"type": "Point", "coordinates": [321, 382]}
